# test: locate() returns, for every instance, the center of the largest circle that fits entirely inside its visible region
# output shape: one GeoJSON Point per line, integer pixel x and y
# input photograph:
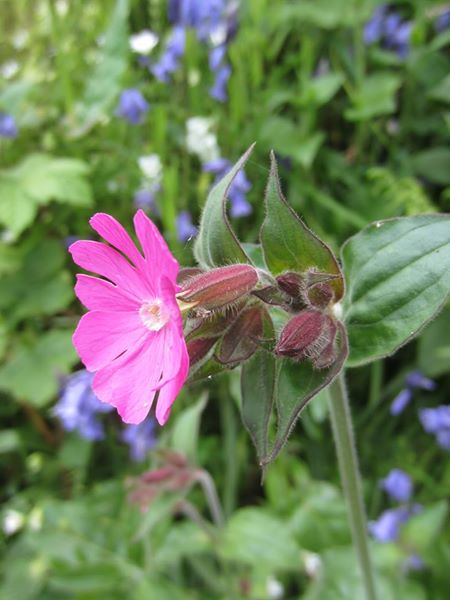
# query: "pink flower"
{"type": "Point", "coordinates": [132, 336]}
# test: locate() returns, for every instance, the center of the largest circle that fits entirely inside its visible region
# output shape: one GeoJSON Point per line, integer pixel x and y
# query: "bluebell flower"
{"type": "Point", "coordinates": [414, 380]}
{"type": "Point", "coordinates": [145, 198]}
{"type": "Point", "coordinates": [219, 89]}
{"type": "Point", "coordinates": [132, 106]}
{"type": "Point", "coordinates": [388, 27]}
{"type": "Point", "coordinates": [78, 407]}
{"type": "Point", "coordinates": [8, 127]}
{"type": "Point", "coordinates": [240, 207]}
{"type": "Point", "coordinates": [442, 22]}
{"type": "Point", "coordinates": [387, 527]}
{"type": "Point", "coordinates": [174, 50]}
{"type": "Point", "coordinates": [185, 228]}
{"type": "Point", "coordinates": [373, 29]}
{"type": "Point", "coordinates": [140, 438]}
{"type": "Point", "coordinates": [217, 56]}
{"type": "Point", "coordinates": [413, 563]}
{"type": "Point", "coordinates": [398, 485]}
{"type": "Point", "coordinates": [437, 421]}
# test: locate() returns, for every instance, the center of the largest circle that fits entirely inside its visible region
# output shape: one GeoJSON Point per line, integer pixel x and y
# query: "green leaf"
{"type": "Point", "coordinates": [422, 529]}
{"type": "Point", "coordinates": [398, 277]}
{"type": "Point", "coordinates": [255, 537]}
{"type": "Point", "coordinates": [288, 244]}
{"type": "Point", "coordinates": [285, 137]}
{"type": "Point", "coordinates": [32, 372]}
{"type": "Point", "coordinates": [326, 14]}
{"type": "Point", "coordinates": [216, 244]}
{"type": "Point", "coordinates": [441, 91]}
{"type": "Point", "coordinates": [434, 346]}
{"type": "Point", "coordinates": [320, 90]}
{"type": "Point", "coordinates": [376, 97]}
{"type": "Point", "coordinates": [434, 165]}
{"type": "Point", "coordinates": [37, 180]}
{"type": "Point", "coordinates": [257, 389]}
{"type": "Point", "coordinates": [104, 83]}
{"type": "Point", "coordinates": [42, 272]}
{"type": "Point", "coordinates": [9, 441]}
{"type": "Point", "coordinates": [186, 429]}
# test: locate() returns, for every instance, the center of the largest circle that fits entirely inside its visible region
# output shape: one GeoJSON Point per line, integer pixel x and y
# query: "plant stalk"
{"type": "Point", "coordinates": [351, 479]}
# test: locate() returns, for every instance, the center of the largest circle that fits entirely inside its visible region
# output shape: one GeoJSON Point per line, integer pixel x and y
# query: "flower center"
{"type": "Point", "coordinates": [154, 314]}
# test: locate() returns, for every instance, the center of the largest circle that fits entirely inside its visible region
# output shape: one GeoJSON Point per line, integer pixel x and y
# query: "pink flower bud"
{"type": "Point", "coordinates": [220, 287]}
{"type": "Point", "coordinates": [320, 294]}
{"type": "Point", "coordinates": [239, 343]}
{"type": "Point", "coordinates": [198, 348]}
{"type": "Point", "coordinates": [310, 334]}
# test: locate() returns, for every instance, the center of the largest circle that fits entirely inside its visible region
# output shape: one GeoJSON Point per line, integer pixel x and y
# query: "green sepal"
{"type": "Point", "coordinates": [216, 244]}
{"type": "Point", "coordinates": [288, 244]}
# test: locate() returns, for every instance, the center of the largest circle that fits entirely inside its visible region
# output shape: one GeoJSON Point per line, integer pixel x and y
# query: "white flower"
{"type": "Point", "coordinates": [313, 564]}
{"type": "Point", "coordinates": [143, 42]}
{"type": "Point", "coordinates": [151, 167]}
{"type": "Point", "coordinates": [200, 140]}
{"type": "Point", "coordinates": [275, 589]}
{"type": "Point", "coordinates": [12, 521]}
{"type": "Point", "coordinates": [9, 68]}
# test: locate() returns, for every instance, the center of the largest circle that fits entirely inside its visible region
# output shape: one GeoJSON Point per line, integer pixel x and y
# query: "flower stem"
{"type": "Point", "coordinates": [351, 479]}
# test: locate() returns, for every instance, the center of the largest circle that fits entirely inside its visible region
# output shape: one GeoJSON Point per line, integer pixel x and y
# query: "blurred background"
{"type": "Point", "coordinates": [111, 105]}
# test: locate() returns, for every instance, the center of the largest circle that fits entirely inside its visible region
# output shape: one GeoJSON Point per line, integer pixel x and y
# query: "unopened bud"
{"type": "Point", "coordinates": [307, 335]}
{"type": "Point", "coordinates": [239, 343]}
{"type": "Point", "coordinates": [320, 294]}
{"type": "Point", "coordinates": [220, 287]}
{"type": "Point", "coordinates": [291, 283]}
{"type": "Point", "coordinates": [198, 348]}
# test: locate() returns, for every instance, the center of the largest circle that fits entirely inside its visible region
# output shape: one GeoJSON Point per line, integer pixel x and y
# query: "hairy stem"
{"type": "Point", "coordinates": [351, 479]}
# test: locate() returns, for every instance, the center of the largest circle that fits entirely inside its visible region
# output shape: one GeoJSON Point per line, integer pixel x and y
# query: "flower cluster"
{"type": "Point", "coordinates": [437, 421]}
{"type": "Point", "coordinates": [388, 27]}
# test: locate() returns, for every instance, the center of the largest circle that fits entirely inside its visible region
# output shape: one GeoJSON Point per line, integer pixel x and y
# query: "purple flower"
{"type": "Point", "coordinates": [8, 127]}
{"type": "Point", "coordinates": [217, 56]}
{"type": "Point", "coordinates": [168, 62]}
{"type": "Point", "coordinates": [240, 207]}
{"type": "Point", "coordinates": [219, 90]}
{"type": "Point", "coordinates": [386, 528]}
{"type": "Point", "coordinates": [140, 438]}
{"type": "Point", "coordinates": [414, 380]}
{"type": "Point", "coordinates": [437, 421]}
{"type": "Point", "coordinates": [132, 106]}
{"type": "Point", "coordinates": [78, 406]}
{"type": "Point", "coordinates": [145, 198]}
{"type": "Point", "coordinates": [442, 22]}
{"type": "Point", "coordinates": [413, 563]}
{"type": "Point", "coordinates": [185, 228]}
{"type": "Point", "coordinates": [398, 485]}
{"type": "Point", "coordinates": [373, 29]}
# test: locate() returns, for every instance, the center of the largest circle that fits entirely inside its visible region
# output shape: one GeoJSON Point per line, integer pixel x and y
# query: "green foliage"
{"type": "Point", "coordinates": [397, 275]}
{"type": "Point", "coordinates": [36, 181]}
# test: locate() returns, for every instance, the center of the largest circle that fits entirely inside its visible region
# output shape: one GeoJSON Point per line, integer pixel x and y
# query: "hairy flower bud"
{"type": "Point", "coordinates": [220, 287]}
{"type": "Point", "coordinates": [310, 334]}
{"type": "Point", "coordinates": [198, 348]}
{"type": "Point", "coordinates": [320, 294]}
{"type": "Point", "coordinates": [239, 343]}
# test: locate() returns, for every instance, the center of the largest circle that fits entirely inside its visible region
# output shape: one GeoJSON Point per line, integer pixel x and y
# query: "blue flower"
{"type": "Point", "coordinates": [437, 421]}
{"type": "Point", "coordinates": [145, 198]}
{"type": "Point", "coordinates": [240, 207]}
{"type": "Point", "coordinates": [185, 228]}
{"type": "Point", "coordinates": [442, 22]}
{"type": "Point", "coordinates": [132, 106]}
{"type": "Point", "coordinates": [78, 406]}
{"type": "Point", "coordinates": [168, 62]}
{"type": "Point", "coordinates": [414, 380]}
{"type": "Point", "coordinates": [140, 438]}
{"type": "Point", "coordinates": [398, 485]}
{"type": "Point", "coordinates": [387, 527]}
{"type": "Point", "coordinates": [373, 29]}
{"type": "Point", "coordinates": [219, 89]}
{"type": "Point", "coordinates": [8, 127]}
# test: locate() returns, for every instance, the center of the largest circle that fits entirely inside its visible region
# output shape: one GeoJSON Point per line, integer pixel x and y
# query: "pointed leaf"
{"type": "Point", "coordinates": [257, 388]}
{"type": "Point", "coordinates": [216, 244]}
{"type": "Point", "coordinates": [288, 244]}
{"type": "Point", "coordinates": [398, 278]}
{"type": "Point", "coordinates": [296, 384]}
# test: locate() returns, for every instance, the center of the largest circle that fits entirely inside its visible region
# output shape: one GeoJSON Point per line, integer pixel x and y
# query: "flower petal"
{"type": "Point", "coordinates": [158, 258]}
{"type": "Point", "coordinates": [128, 383]}
{"type": "Point", "coordinates": [102, 336]}
{"type": "Point", "coordinates": [169, 392]}
{"type": "Point", "coordinates": [99, 294]}
{"type": "Point", "coordinates": [114, 233]}
{"type": "Point", "coordinates": [107, 262]}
